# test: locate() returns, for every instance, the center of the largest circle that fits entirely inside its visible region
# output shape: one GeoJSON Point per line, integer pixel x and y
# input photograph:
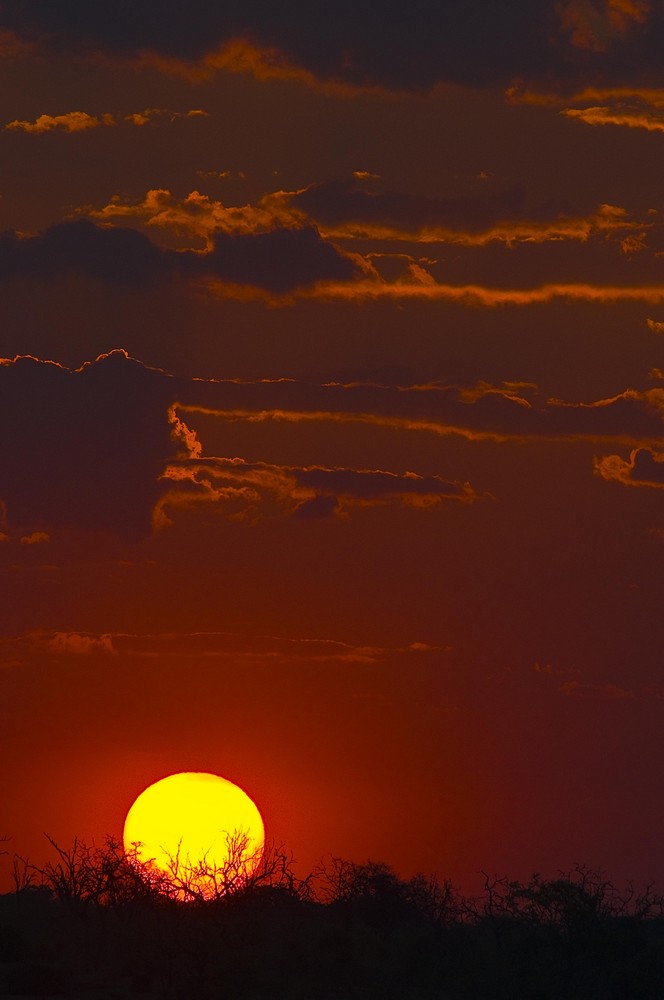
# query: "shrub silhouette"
{"type": "Point", "coordinates": [94, 922]}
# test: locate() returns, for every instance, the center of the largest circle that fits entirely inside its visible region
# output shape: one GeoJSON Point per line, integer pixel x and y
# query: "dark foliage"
{"type": "Point", "coordinates": [92, 923]}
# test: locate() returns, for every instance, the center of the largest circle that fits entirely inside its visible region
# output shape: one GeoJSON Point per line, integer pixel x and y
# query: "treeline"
{"type": "Point", "coordinates": [91, 923]}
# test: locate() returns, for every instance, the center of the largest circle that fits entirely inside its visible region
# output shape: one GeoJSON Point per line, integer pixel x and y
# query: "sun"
{"type": "Point", "coordinates": [200, 831]}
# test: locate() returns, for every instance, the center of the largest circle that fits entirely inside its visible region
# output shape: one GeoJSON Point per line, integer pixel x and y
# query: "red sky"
{"type": "Point", "coordinates": [331, 413]}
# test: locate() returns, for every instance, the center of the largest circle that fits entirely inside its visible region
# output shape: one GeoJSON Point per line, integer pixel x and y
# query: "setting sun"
{"type": "Point", "coordinates": [199, 830]}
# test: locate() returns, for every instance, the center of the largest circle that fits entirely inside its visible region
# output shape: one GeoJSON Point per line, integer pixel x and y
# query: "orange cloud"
{"type": "Point", "coordinates": [632, 118]}
{"type": "Point", "coordinates": [636, 97]}
{"type": "Point", "coordinates": [607, 219]}
{"type": "Point", "coordinates": [479, 295]}
{"type": "Point", "coordinates": [183, 435]}
{"type": "Point", "coordinates": [73, 121]}
{"type": "Point", "coordinates": [594, 26]}
{"type": "Point", "coordinates": [420, 285]}
{"type": "Point", "coordinates": [81, 121]}
{"type": "Point", "coordinates": [256, 489]}
{"type": "Point", "coordinates": [263, 62]}
{"type": "Point", "coordinates": [605, 692]}
{"type": "Point", "coordinates": [343, 417]}
{"type": "Point", "coordinates": [78, 643]}
{"type": "Point", "coordinates": [655, 325]}
{"type": "Point", "coordinates": [645, 467]}
{"type": "Point", "coordinates": [141, 118]}
{"type": "Point", "coordinates": [480, 413]}
{"type": "Point", "coordinates": [198, 215]}
{"type": "Point", "coordinates": [35, 538]}
{"type": "Point", "coordinates": [236, 647]}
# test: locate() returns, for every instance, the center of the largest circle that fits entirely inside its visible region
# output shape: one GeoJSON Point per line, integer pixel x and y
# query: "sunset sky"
{"type": "Point", "coordinates": [331, 423]}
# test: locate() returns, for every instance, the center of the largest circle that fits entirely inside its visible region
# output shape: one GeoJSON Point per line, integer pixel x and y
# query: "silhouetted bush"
{"type": "Point", "coordinates": [93, 922]}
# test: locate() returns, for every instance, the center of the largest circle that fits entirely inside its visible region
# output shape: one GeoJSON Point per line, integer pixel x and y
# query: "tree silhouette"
{"type": "Point", "coordinates": [97, 921]}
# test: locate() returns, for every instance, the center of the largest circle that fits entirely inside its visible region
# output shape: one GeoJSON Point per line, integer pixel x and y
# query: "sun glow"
{"type": "Point", "coordinates": [198, 833]}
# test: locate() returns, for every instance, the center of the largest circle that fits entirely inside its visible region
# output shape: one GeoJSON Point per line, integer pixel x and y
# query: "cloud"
{"type": "Point", "coordinates": [596, 25]}
{"type": "Point", "coordinates": [86, 448]}
{"type": "Point", "coordinates": [603, 692]}
{"type": "Point", "coordinates": [630, 117]}
{"type": "Point", "coordinates": [104, 449]}
{"type": "Point", "coordinates": [81, 121]}
{"type": "Point", "coordinates": [476, 412]}
{"type": "Point", "coordinates": [351, 206]}
{"type": "Point", "coordinates": [353, 209]}
{"type": "Point", "coordinates": [455, 42]}
{"type": "Point", "coordinates": [655, 325]}
{"type": "Point", "coordinates": [34, 538]}
{"type": "Point", "coordinates": [349, 210]}
{"type": "Point", "coordinates": [76, 643]}
{"type": "Point", "coordinates": [487, 296]}
{"type": "Point", "coordinates": [319, 506]}
{"type": "Point", "coordinates": [107, 254]}
{"type": "Point", "coordinates": [232, 646]}
{"type": "Point", "coordinates": [73, 121]}
{"type": "Point", "coordinates": [151, 115]}
{"type": "Point", "coordinates": [645, 467]}
{"type": "Point", "coordinates": [113, 447]}
{"type": "Point", "coordinates": [485, 249]}
{"type": "Point", "coordinates": [255, 489]}
{"type": "Point", "coordinates": [279, 261]}
{"type": "Point", "coordinates": [198, 215]}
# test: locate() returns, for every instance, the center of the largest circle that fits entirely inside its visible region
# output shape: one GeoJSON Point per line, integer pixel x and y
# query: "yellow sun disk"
{"type": "Point", "coordinates": [193, 818]}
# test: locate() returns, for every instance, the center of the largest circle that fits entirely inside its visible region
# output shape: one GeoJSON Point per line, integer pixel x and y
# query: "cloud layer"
{"type": "Point", "coordinates": [279, 260]}
{"type": "Point", "coordinates": [459, 42]}
{"type": "Point", "coordinates": [109, 447]}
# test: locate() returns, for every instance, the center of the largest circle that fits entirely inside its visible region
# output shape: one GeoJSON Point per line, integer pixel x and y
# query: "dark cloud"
{"type": "Point", "coordinates": [374, 484]}
{"type": "Point", "coordinates": [83, 449]}
{"type": "Point", "coordinates": [109, 447]}
{"type": "Point", "coordinates": [108, 254]}
{"type": "Point", "coordinates": [320, 506]}
{"type": "Point", "coordinates": [355, 203]}
{"type": "Point", "coordinates": [278, 261]}
{"type": "Point", "coordinates": [603, 258]}
{"type": "Point", "coordinates": [493, 239]}
{"type": "Point", "coordinates": [101, 448]}
{"type": "Point", "coordinates": [254, 489]}
{"type": "Point", "coordinates": [464, 41]}
{"type": "Point", "coordinates": [648, 467]}
{"type": "Point", "coordinates": [480, 411]}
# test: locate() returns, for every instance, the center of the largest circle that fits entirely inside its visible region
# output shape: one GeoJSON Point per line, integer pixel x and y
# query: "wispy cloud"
{"type": "Point", "coordinates": [254, 489]}
{"type": "Point", "coordinates": [236, 647]}
{"type": "Point", "coordinates": [602, 692]}
{"type": "Point", "coordinates": [652, 121]}
{"type": "Point", "coordinates": [485, 296]}
{"type": "Point", "coordinates": [645, 467]}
